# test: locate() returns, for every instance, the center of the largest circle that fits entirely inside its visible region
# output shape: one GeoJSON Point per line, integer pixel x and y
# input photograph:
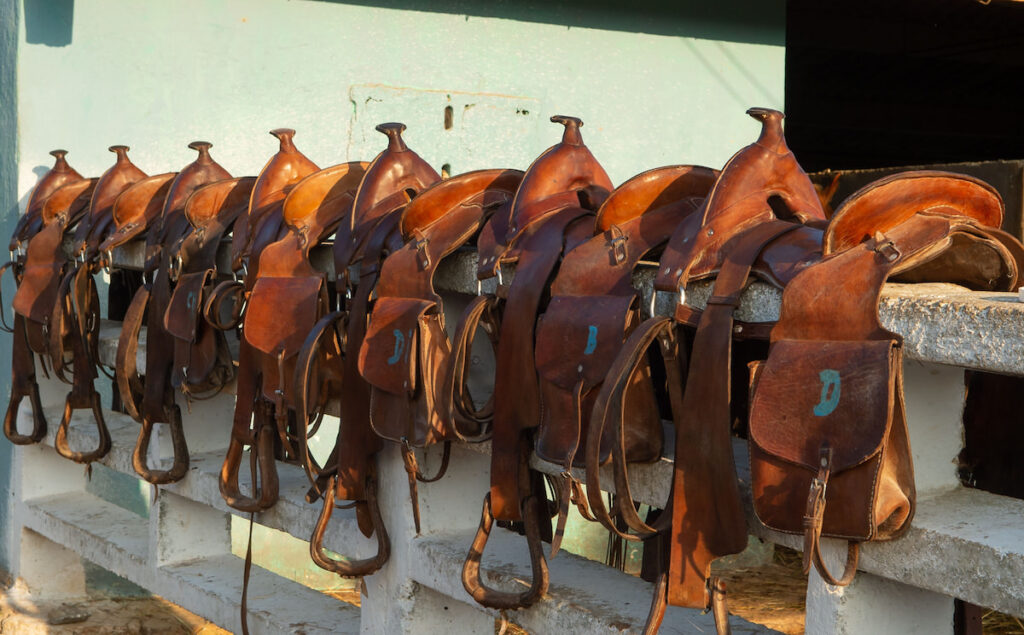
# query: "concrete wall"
{"type": "Point", "coordinates": [656, 82]}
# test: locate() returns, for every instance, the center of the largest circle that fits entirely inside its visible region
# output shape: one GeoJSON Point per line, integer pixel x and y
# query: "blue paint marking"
{"type": "Point", "coordinates": [591, 340]}
{"type": "Point", "coordinates": [830, 389]}
{"type": "Point", "coordinates": [190, 301]}
{"type": "Point", "coordinates": [399, 348]}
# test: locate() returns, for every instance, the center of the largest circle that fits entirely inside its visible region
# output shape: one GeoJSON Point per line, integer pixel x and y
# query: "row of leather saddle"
{"type": "Point", "coordinates": [578, 378]}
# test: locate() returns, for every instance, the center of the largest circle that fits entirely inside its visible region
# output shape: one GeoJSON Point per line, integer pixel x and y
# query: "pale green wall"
{"type": "Point", "coordinates": [9, 210]}
{"type": "Point", "coordinates": [656, 82]}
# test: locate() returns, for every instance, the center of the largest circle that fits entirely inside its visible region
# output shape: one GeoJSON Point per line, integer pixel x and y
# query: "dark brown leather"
{"type": "Point", "coordinates": [282, 171]}
{"type": "Point", "coordinates": [593, 309]}
{"type": "Point", "coordinates": [405, 353]}
{"type": "Point", "coordinates": [761, 218]}
{"type": "Point", "coordinates": [152, 401]}
{"type": "Point", "coordinates": [94, 226]}
{"type": "Point", "coordinates": [60, 302]}
{"type": "Point", "coordinates": [830, 454]}
{"type": "Point", "coordinates": [31, 221]}
{"type": "Point", "coordinates": [287, 298]}
{"type": "Point", "coordinates": [552, 213]}
{"type": "Point", "coordinates": [330, 351]}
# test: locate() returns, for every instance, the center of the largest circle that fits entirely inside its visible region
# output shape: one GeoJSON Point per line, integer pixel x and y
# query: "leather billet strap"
{"type": "Point", "coordinates": [23, 384]}
{"type": "Point", "coordinates": [470, 424]}
{"type": "Point", "coordinates": [609, 408]}
{"type": "Point", "coordinates": [707, 512]}
{"type": "Point", "coordinates": [516, 392]}
{"type": "Point", "coordinates": [813, 520]}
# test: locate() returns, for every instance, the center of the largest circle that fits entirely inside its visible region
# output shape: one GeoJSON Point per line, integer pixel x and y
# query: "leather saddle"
{"type": "Point", "coordinates": [151, 401]}
{"type": "Point", "coordinates": [829, 448]}
{"type": "Point", "coordinates": [44, 207]}
{"type": "Point", "coordinates": [405, 354]}
{"type": "Point", "coordinates": [330, 353]}
{"type": "Point", "coordinates": [593, 309]}
{"type": "Point", "coordinates": [58, 298]}
{"type": "Point", "coordinates": [552, 213]}
{"type": "Point", "coordinates": [762, 218]}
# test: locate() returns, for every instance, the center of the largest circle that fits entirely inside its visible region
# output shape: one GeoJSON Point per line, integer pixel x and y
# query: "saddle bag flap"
{"type": "Point", "coordinates": [184, 310]}
{"type": "Point", "coordinates": [837, 397]}
{"type": "Point", "coordinates": [281, 312]}
{"type": "Point", "coordinates": [37, 292]}
{"type": "Point", "coordinates": [389, 355]}
{"type": "Point", "coordinates": [579, 337]}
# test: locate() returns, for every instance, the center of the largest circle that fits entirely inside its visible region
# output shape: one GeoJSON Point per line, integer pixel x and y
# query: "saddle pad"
{"type": "Point", "coordinates": [813, 392]}
{"type": "Point", "coordinates": [281, 312]}
{"type": "Point", "coordinates": [390, 351]}
{"type": "Point", "coordinates": [579, 337]}
{"type": "Point", "coordinates": [183, 311]}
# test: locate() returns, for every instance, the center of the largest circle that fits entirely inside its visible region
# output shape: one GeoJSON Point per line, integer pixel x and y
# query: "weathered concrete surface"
{"type": "Point", "coordinates": [211, 586]}
{"type": "Point", "coordinates": [584, 596]}
{"type": "Point", "coordinates": [291, 513]}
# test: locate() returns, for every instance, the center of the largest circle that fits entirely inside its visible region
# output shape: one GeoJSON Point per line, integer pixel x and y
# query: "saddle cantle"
{"type": "Point", "coordinates": [31, 221]}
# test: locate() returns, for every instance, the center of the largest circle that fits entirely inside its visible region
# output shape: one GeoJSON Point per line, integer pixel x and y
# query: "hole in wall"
{"type": "Point", "coordinates": [449, 116]}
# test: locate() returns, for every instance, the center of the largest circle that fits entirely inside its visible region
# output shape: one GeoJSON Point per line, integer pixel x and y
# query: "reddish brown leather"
{"type": "Point", "coordinates": [137, 208]}
{"type": "Point", "coordinates": [284, 283]}
{"type": "Point", "coordinates": [31, 221]}
{"type": "Point", "coordinates": [829, 447]}
{"type": "Point", "coordinates": [172, 224]}
{"type": "Point", "coordinates": [758, 180]}
{"type": "Point", "coordinates": [96, 223]}
{"type": "Point", "coordinates": [594, 307]}
{"type": "Point", "coordinates": [405, 353]}
{"type": "Point", "coordinates": [282, 171]}
{"type": "Point", "coordinates": [394, 177]}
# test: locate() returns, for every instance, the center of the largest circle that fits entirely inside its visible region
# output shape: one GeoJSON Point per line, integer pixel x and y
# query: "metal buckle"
{"type": "Point", "coordinates": [885, 246]}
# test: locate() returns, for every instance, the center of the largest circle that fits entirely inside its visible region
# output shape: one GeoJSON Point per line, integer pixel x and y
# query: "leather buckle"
{"type": "Point", "coordinates": [885, 247]}
{"type": "Point", "coordinates": [420, 244]}
{"type": "Point", "coordinates": [618, 243]}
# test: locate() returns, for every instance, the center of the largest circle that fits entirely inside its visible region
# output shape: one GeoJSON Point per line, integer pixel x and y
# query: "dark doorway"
{"type": "Point", "coordinates": [877, 83]}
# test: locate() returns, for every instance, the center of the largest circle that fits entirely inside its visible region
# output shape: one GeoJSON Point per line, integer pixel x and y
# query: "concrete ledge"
{"type": "Point", "coordinates": [584, 596]}
{"type": "Point", "coordinates": [211, 587]}
{"type": "Point", "coordinates": [292, 514]}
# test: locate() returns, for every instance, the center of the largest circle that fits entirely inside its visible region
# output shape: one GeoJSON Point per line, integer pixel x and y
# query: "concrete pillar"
{"type": "Point", "coordinates": [871, 604]}
{"type": "Point", "coordinates": [47, 569]}
{"type": "Point", "coordinates": [182, 530]}
{"type": "Point", "coordinates": [392, 601]}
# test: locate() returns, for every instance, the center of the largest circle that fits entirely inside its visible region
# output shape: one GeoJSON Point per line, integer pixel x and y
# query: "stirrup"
{"type": "Point", "coordinates": [61, 442]}
{"type": "Point", "coordinates": [38, 418]}
{"type": "Point", "coordinates": [350, 568]}
{"type": "Point", "coordinates": [265, 488]}
{"type": "Point", "coordinates": [181, 460]}
{"type": "Point", "coordinates": [491, 598]}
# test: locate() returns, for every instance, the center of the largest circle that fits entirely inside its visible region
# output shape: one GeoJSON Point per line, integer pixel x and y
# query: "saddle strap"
{"type": "Point", "coordinates": [482, 312]}
{"type": "Point", "coordinates": [708, 520]}
{"type": "Point", "coordinates": [609, 407]}
{"type": "Point", "coordinates": [129, 384]}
